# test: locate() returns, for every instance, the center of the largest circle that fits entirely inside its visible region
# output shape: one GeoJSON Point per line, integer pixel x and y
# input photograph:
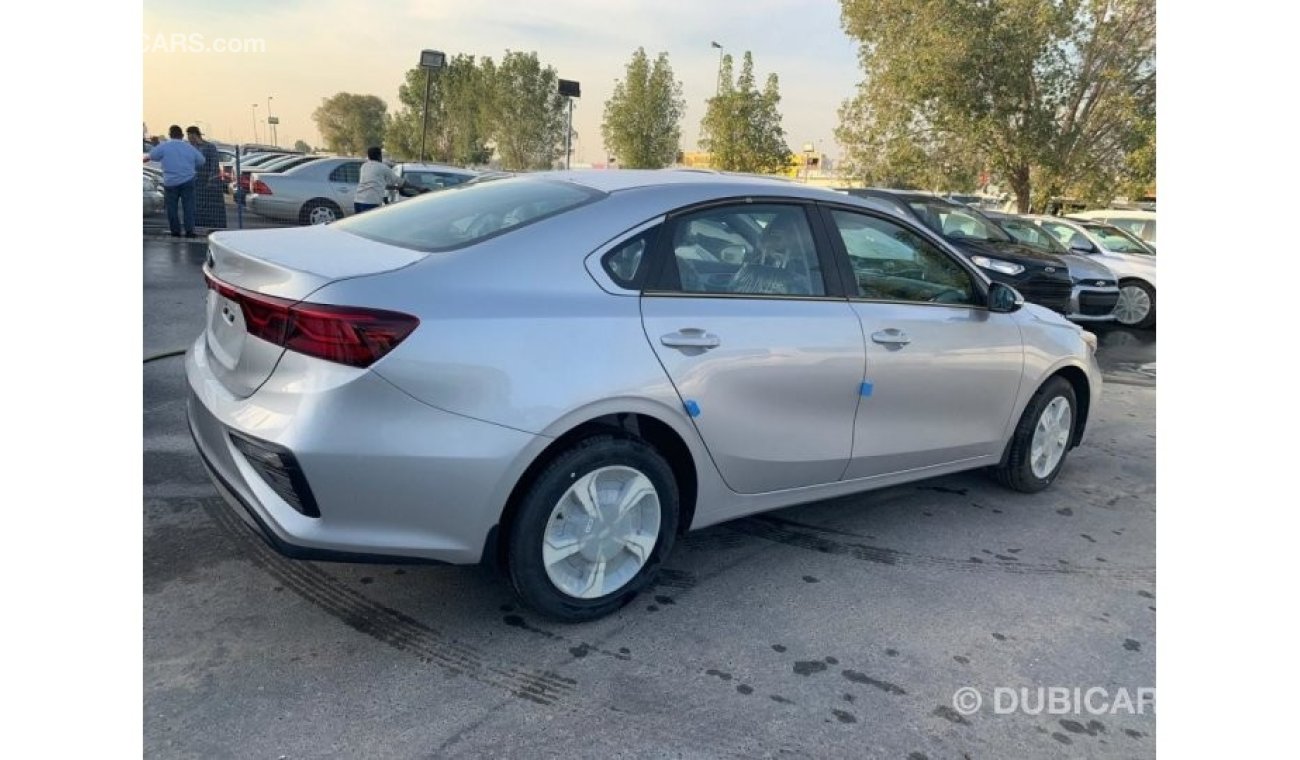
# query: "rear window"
{"type": "Point", "coordinates": [464, 215]}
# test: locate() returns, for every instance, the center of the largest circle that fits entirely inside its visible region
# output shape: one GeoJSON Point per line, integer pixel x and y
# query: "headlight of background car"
{"type": "Point", "coordinates": [1091, 340]}
{"type": "Point", "coordinates": [997, 265]}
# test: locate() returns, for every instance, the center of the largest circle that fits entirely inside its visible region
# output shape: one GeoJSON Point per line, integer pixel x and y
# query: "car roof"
{"type": "Point", "coordinates": [725, 183]}
{"type": "Point", "coordinates": [1115, 213]}
{"type": "Point", "coordinates": [433, 167]}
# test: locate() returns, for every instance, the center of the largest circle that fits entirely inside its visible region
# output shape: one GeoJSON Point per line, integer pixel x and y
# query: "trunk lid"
{"type": "Point", "coordinates": [281, 268]}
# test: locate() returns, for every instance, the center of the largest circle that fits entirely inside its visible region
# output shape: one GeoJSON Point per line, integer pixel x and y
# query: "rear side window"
{"type": "Point", "coordinates": [466, 214]}
{"type": "Point", "coordinates": [626, 264]}
{"type": "Point", "coordinates": [349, 173]}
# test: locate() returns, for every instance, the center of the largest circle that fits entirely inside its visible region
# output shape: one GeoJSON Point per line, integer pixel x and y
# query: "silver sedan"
{"type": "Point", "coordinates": [562, 373]}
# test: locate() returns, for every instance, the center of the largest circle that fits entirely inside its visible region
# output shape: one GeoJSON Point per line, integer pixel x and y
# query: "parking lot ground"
{"type": "Point", "coordinates": [836, 629]}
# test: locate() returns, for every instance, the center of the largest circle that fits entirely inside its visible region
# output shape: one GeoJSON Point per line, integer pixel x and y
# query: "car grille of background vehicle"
{"type": "Point", "coordinates": [1093, 304]}
{"type": "Point", "coordinates": [1049, 292]}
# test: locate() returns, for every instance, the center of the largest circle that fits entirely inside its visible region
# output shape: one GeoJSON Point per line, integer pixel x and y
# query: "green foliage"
{"type": "Point", "coordinates": [642, 124]}
{"type": "Point", "coordinates": [460, 113]}
{"type": "Point", "coordinates": [349, 124]}
{"type": "Point", "coordinates": [529, 115]}
{"type": "Point", "coordinates": [301, 146]}
{"type": "Point", "coordinates": [741, 128]}
{"type": "Point", "coordinates": [1054, 96]}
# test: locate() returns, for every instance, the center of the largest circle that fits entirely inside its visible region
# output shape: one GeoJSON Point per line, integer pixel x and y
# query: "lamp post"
{"type": "Point", "coordinates": [430, 61]}
{"type": "Point", "coordinates": [570, 90]}
{"type": "Point", "coordinates": [254, 122]}
{"type": "Point", "coordinates": [718, 91]}
{"type": "Point", "coordinates": [270, 122]}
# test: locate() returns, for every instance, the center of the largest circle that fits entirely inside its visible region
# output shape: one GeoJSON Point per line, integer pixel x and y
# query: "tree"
{"type": "Point", "coordinates": [741, 128]}
{"type": "Point", "coordinates": [349, 124]}
{"type": "Point", "coordinates": [301, 146]}
{"type": "Point", "coordinates": [460, 116]}
{"type": "Point", "coordinates": [642, 124]}
{"type": "Point", "coordinates": [527, 112]}
{"type": "Point", "coordinates": [1052, 95]}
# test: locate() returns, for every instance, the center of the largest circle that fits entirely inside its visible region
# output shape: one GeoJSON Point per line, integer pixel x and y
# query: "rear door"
{"type": "Point", "coordinates": [766, 360]}
{"type": "Point", "coordinates": [942, 371]}
{"type": "Point", "coordinates": [343, 182]}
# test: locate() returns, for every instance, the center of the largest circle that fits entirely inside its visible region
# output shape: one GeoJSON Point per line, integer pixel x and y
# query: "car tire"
{"type": "Point", "coordinates": [319, 212]}
{"type": "Point", "coordinates": [1023, 470]}
{"type": "Point", "coordinates": [550, 514]}
{"type": "Point", "coordinates": [1141, 290]}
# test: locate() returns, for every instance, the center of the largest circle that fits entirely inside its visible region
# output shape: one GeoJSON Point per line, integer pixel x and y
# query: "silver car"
{"type": "Point", "coordinates": [425, 178]}
{"type": "Point", "coordinates": [561, 373]}
{"type": "Point", "coordinates": [1129, 258]}
{"type": "Point", "coordinates": [317, 192]}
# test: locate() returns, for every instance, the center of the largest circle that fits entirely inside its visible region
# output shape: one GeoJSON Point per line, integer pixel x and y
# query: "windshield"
{"type": "Point", "coordinates": [463, 215]}
{"type": "Point", "coordinates": [1117, 240]}
{"type": "Point", "coordinates": [1032, 235]}
{"type": "Point", "coordinates": [956, 222]}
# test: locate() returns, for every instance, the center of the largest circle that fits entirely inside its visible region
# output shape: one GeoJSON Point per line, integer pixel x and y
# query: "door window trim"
{"type": "Point", "coordinates": [942, 246]}
{"type": "Point", "coordinates": [663, 279]}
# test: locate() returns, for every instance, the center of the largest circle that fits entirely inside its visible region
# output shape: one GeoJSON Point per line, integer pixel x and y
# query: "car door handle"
{"type": "Point", "coordinates": [690, 337]}
{"type": "Point", "coordinates": [891, 337]}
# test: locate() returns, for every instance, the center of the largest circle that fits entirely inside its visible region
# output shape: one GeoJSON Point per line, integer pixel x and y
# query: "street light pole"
{"type": "Point", "coordinates": [430, 60]}
{"type": "Point", "coordinates": [270, 127]}
{"type": "Point", "coordinates": [254, 122]}
{"type": "Point", "coordinates": [570, 90]}
{"type": "Point", "coordinates": [718, 91]}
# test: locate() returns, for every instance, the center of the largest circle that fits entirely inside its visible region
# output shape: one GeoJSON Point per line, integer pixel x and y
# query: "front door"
{"type": "Point", "coordinates": [942, 371]}
{"type": "Point", "coordinates": [767, 365]}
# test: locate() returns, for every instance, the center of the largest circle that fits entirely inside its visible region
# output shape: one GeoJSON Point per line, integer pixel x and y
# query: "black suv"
{"type": "Point", "coordinates": [1041, 277]}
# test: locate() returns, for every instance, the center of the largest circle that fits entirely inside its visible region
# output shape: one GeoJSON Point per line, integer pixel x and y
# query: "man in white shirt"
{"type": "Point", "coordinates": [375, 182]}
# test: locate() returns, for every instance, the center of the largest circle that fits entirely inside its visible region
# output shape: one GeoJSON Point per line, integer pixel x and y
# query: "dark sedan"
{"type": "Point", "coordinates": [1041, 277]}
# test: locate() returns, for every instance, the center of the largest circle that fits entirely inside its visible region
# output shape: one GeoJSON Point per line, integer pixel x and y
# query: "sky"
{"type": "Point", "coordinates": [298, 53]}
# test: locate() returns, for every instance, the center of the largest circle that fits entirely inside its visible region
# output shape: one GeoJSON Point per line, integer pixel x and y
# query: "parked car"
{"type": "Point", "coordinates": [277, 166]}
{"type": "Point", "coordinates": [317, 192]}
{"type": "Point", "coordinates": [428, 178]}
{"type": "Point", "coordinates": [247, 163]}
{"type": "Point", "coordinates": [153, 193]}
{"type": "Point", "coordinates": [1042, 278]}
{"type": "Point", "coordinates": [1096, 288]}
{"type": "Point", "coordinates": [562, 372]}
{"type": "Point", "coordinates": [1137, 222]}
{"type": "Point", "coordinates": [1129, 258]}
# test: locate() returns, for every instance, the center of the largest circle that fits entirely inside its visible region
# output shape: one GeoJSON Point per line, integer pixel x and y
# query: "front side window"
{"type": "Point", "coordinates": [957, 222]}
{"type": "Point", "coordinates": [1068, 236]}
{"type": "Point", "coordinates": [750, 249]}
{"type": "Point", "coordinates": [892, 263]}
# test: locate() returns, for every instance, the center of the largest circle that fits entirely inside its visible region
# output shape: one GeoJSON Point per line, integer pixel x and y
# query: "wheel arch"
{"type": "Point", "coordinates": [663, 436]}
{"type": "Point", "coordinates": [1077, 377]}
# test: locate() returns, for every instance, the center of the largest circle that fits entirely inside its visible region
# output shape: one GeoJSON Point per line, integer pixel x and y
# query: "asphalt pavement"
{"type": "Point", "coordinates": [843, 628]}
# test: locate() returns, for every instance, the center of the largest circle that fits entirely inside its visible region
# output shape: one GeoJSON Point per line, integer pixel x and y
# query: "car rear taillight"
{"type": "Point", "coordinates": [261, 188]}
{"type": "Point", "coordinates": [349, 335]}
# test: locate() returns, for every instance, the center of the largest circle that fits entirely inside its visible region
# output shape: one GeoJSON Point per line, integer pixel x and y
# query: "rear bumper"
{"type": "Point", "coordinates": [395, 480]}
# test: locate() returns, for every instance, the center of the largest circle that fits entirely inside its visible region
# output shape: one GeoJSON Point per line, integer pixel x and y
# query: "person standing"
{"type": "Point", "coordinates": [208, 195]}
{"type": "Point", "coordinates": [180, 162]}
{"type": "Point", "coordinates": [374, 183]}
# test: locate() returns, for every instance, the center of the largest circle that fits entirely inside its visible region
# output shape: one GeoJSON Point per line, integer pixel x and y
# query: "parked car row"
{"type": "Point", "coordinates": [1083, 268]}
{"type": "Point", "coordinates": [319, 190]}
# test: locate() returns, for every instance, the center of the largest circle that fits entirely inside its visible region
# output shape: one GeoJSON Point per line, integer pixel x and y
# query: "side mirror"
{"type": "Point", "coordinates": [1004, 299]}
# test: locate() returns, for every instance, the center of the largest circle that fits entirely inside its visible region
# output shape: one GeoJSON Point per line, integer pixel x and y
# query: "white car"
{"type": "Point", "coordinates": [428, 178]}
{"type": "Point", "coordinates": [1138, 223]}
{"type": "Point", "coordinates": [316, 192]}
{"type": "Point", "coordinates": [153, 193]}
{"type": "Point", "coordinates": [1129, 258]}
